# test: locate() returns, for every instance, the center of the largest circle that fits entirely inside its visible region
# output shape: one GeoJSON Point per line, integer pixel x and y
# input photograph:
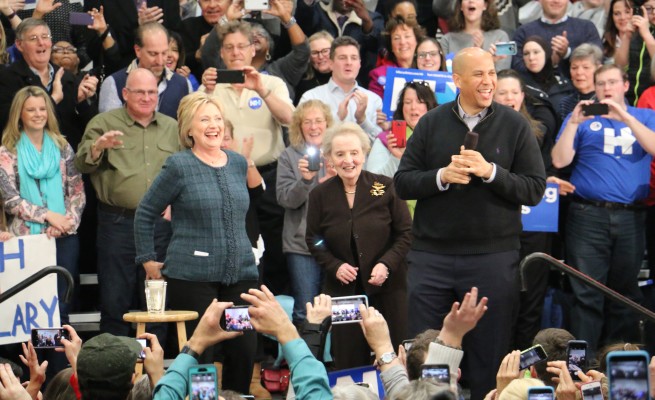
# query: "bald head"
{"type": "Point", "coordinates": [474, 73]}
{"type": "Point", "coordinates": [468, 57]}
{"type": "Point", "coordinates": [140, 93]}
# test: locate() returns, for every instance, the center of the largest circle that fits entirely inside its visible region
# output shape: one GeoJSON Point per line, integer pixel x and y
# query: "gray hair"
{"type": "Point", "coordinates": [27, 25]}
{"type": "Point", "coordinates": [141, 389]}
{"type": "Point", "coordinates": [421, 390]}
{"type": "Point", "coordinates": [346, 128]}
{"type": "Point", "coordinates": [587, 50]}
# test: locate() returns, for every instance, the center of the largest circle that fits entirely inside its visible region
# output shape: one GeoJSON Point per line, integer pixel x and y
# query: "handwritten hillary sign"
{"type": "Point", "coordinates": [543, 217]}
{"type": "Point", "coordinates": [440, 82]}
{"type": "Point", "coordinates": [38, 305]}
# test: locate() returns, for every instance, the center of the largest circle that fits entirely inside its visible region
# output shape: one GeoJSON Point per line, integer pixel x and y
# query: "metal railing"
{"type": "Point", "coordinates": [22, 285]}
{"type": "Point", "coordinates": [607, 292]}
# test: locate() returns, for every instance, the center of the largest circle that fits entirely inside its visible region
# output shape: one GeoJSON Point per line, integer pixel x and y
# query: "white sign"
{"type": "Point", "coordinates": [38, 305]}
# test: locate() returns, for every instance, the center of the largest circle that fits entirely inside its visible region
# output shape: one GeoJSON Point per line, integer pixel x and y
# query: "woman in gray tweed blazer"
{"type": "Point", "coordinates": [209, 255]}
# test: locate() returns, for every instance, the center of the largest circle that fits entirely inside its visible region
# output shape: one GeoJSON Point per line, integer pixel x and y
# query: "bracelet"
{"type": "Point", "coordinates": [267, 94]}
{"type": "Point", "coordinates": [11, 16]}
{"type": "Point", "coordinates": [289, 24]}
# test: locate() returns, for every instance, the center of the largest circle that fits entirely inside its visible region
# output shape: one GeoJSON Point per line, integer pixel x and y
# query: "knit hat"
{"type": "Point", "coordinates": [107, 362]}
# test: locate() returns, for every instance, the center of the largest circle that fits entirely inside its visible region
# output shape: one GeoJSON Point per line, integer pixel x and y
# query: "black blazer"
{"type": "Point", "coordinates": [378, 226]}
{"type": "Point", "coordinates": [71, 115]}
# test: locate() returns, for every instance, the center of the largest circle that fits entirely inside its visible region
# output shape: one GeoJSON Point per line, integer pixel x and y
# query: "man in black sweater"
{"type": "Point", "coordinates": [468, 215]}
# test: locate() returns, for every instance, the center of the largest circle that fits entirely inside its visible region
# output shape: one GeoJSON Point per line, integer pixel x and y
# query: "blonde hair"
{"type": "Point", "coordinates": [345, 128]}
{"type": "Point", "coordinates": [4, 55]}
{"type": "Point", "coordinates": [296, 137]}
{"type": "Point", "coordinates": [189, 105]}
{"type": "Point", "coordinates": [11, 134]}
{"type": "Point", "coordinates": [518, 389]}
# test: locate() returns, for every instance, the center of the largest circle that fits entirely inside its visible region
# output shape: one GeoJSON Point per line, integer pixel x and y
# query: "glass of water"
{"type": "Point", "coordinates": [155, 296]}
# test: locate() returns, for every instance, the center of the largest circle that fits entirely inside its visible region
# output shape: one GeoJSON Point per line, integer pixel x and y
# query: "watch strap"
{"type": "Point", "coordinates": [386, 358]}
{"type": "Point", "coordinates": [187, 350]}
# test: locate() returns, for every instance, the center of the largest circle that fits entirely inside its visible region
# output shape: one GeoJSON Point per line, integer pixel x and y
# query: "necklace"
{"type": "Point", "coordinates": [353, 192]}
{"type": "Point", "coordinates": [209, 160]}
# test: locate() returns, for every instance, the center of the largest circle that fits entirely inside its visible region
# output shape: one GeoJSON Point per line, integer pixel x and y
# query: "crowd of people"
{"type": "Point", "coordinates": [219, 148]}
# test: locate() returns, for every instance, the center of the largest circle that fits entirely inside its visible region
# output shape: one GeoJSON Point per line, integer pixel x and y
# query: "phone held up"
{"type": "Point", "coordinates": [230, 76]}
{"type": "Point", "coordinates": [203, 383]}
{"type": "Point", "coordinates": [346, 309]}
{"type": "Point", "coordinates": [314, 158]}
{"type": "Point", "coordinates": [506, 49]}
{"type": "Point", "coordinates": [576, 357]}
{"type": "Point", "coordinates": [628, 375]}
{"type": "Point", "coordinates": [48, 338]}
{"type": "Point", "coordinates": [541, 393]}
{"type": "Point", "coordinates": [399, 130]}
{"type": "Point", "coordinates": [532, 356]}
{"type": "Point", "coordinates": [591, 391]}
{"type": "Point", "coordinates": [237, 319]}
{"type": "Point", "coordinates": [437, 372]}
{"type": "Point", "coordinates": [595, 109]}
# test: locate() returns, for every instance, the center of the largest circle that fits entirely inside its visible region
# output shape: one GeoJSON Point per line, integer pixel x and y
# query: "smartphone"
{"type": "Point", "coordinates": [595, 109]}
{"type": "Point", "coordinates": [202, 382]}
{"type": "Point", "coordinates": [346, 309]}
{"type": "Point", "coordinates": [636, 11]}
{"type": "Point", "coordinates": [591, 391]}
{"type": "Point", "coordinates": [237, 319]}
{"type": "Point", "coordinates": [80, 18]}
{"type": "Point", "coordinates": [399, 130]}
{"type": "Point", "coordinates": [576, 357]}
{"type": "Point", "coordinates": [506, 49]}
{"type": "Point", "coordinates": [48, 338]}
{"type": "Point", "coordinates": [407, 344]}
{"type": "Point", "coordinates": [541, 393]}
{"type": "Point", "coordinates": [437, 372]}
{"type": "Point", "coordinates": [257, 5]}
{"type": "Point", "coordinates": [532, 356]}
{"type": "Point", "coordinates": [628, 375]}
{"type": "Point", "coordinates": [230, 76]}
{"type": "Point", "coordinates": [144, 343]}
{"type": "Point", "coordinates": [314, 158]}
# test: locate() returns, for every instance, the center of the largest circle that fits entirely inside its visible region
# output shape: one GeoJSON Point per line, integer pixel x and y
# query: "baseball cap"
{"type": "Point", "coordinates": [107, 362]}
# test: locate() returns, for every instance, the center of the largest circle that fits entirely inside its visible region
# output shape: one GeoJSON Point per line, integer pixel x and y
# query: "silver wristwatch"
{"type": "Point", "coordinates": [386, 358]}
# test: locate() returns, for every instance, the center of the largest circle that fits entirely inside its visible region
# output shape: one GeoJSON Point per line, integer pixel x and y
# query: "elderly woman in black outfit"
{"type": "Point", "coordinates": [358, 230]}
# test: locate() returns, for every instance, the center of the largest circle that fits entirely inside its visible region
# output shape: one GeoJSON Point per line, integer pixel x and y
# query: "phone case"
{"type": "Point", "coordinates": [399, 130]}
{"type": "Point", "coordinates": [627, 371]}
{"type": "Point", "coordinates": [203, 378]}
{"type": "Point", "coordinates": [77, 18]}
{"type": "Point", "coordinates": [230, 76]}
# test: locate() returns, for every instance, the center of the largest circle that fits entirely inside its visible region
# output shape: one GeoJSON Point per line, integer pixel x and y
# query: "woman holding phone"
{"type": "Point", "coordinates": [358, 230]}
{"type": "Point", "coordinates": [297, 175]}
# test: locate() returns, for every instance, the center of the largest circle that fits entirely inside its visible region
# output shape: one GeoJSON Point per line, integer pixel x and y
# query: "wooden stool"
{"type": "Point", "coordinates": [143, 317]}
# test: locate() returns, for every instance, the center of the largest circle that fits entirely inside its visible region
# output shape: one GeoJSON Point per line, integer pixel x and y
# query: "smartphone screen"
{"type": "Point", "coordinates": [346, 309]}
{"type": "Point", "coordinates": [203, 383]}
{"type": "Point", "coordinates": [438, 372]}
{"type": "Point", "coordinates": [144, 343]}
{"type": "Point", "coordinates": [48, 338]}
{"type": "Point", "coordinates": [399, 130]}
{"type": "Point", "coordinates": [628, 375]}
{"type": "Point", "coordinates": [532, 356]}
{"type": "Point", "coordinates": [576, 356]}
{"type": "Point", "coordinates": [237, 319]}
{"type": "Point", "coordinates": [541, 393]}
{"type": "Point", "coordinates": [591, 391]}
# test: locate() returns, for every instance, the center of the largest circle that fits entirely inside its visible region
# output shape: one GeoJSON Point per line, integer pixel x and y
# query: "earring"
{"type": "Point", "coordinates": [268, 56]}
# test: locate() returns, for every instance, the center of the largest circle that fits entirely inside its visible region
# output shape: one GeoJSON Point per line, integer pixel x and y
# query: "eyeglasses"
{"type": "Point", "coordinates": [64, 50]}
{"type": "Point", "coordinates": [650, 9]}
{"type": "Point", "coordinates": [323, 52]}
{"type": "Point", "coordinates": [317, 121]}
{"type": "Point", "coordinates": [240, 47]}
{"type": "Point", "coordinates": [425, 54]}
{"type": "Point", "coordinates": [143, 93]}
{"type": "Point", "coordinates": [414, 84]}
{"type": "Point", "coordinates": [34, 38]}
{"type": "Point", "coordinates": [611, 82]}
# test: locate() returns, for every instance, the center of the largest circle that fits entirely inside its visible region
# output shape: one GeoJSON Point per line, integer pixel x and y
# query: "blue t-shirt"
{"type": "Point", "coordinates": [609, 163]}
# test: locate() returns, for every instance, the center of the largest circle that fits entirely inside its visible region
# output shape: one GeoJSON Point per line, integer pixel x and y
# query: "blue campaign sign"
{"type": "Point", "coordinates": [544, 216]}
{"type": "Point", "coordinates": [441, 83]}
{"type": "Point", "coordinates": [368, 374]}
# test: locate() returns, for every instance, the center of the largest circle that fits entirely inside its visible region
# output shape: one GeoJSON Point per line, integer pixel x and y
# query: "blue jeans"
{"type": "Point", "coordinates": [68, 254]}
{"type": "Point", "coordinates": [608, 246]}
{"type": "Point", "coordinates": [306, 281]}
{"type": "Point", "coordinates": [120, 279]}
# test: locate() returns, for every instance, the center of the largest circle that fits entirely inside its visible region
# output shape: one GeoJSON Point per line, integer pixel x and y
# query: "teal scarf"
{"type": "Point", "coordinates": [44, 167]}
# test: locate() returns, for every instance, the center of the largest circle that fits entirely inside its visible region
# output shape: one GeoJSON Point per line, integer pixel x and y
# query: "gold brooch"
{"type": "Point", "coordinates": [377, 189]}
